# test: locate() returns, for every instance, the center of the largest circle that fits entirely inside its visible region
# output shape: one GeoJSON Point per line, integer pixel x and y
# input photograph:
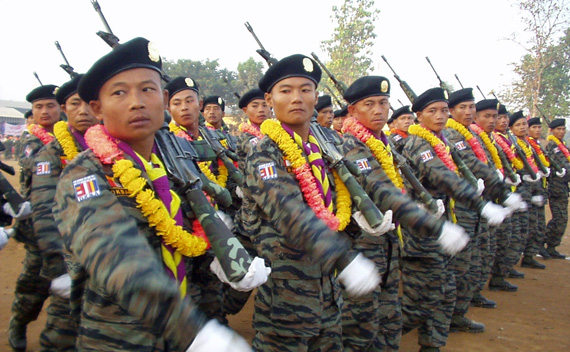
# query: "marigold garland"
{"type": "Point", "coordinates": [517, 163]}
{"type": "Point", "coordinates": [437, 144]}
{"type": "Point", "coordinates": [473, 142]}
{"type": "Point", "coordinates": [190, 245]}
{"type": "Point", "coordinates": [41, 133]}
{"type": "Point", "coordinates": [248, 128]}
{"type": "Point", "coordinates": [377, 147]}
{"type": "Point", "coordinates": [543, 159]}
{"type": "Point", "coordinates": [490, 147]}
{"type": "Point", "coordinates": [560, 146]}
{"type": "Point", "coordinates": [66, 140]}
{"type": "Point", "coordinates": [306, 178]}
{"type": "Point", "coordinates": [528, 154]}
{"type": "Point", "coordinates": [399, 132]}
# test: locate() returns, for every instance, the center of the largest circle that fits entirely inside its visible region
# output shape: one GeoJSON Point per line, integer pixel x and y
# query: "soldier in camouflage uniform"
{"type": "Point", "coordinates": [131, 282]}
{"type": "Point", "coordinates": [374, 322]}
{"type": "Point", "coordinates": [49, 163]}
{"type": "Point", "coordinates": [402, 119]}
{"type": "Point", "coordinates": [32, 289]}
{"type": "Point", "coordinates": [557, 188]}
{"type": "Point", "coordinates": [338, 119]}
{"type": "Point", "coordinates": [298, 309]}
{"type": "Point", "coordinates": [325, 113]}
{"type": "Point", "coordinates": [426, 274]}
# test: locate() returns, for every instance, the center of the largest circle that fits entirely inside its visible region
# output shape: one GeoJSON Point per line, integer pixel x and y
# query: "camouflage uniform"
{"type": "Point", "coordinates": [427, 274]}
{"type": "Point", "coordinates": [398, 140]}
{"type": "Point", "coordinates": [374, 322]}
{"type": "Point", "coordinates": [127, 300]}
{"type": "Point", "coordinates": [298, 308]}
{"type": "Point", "coordinates": [557, 197]}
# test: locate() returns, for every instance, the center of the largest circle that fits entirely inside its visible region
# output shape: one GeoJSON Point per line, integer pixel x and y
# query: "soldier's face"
{"type": "Point", "coordinates": [131, 105]}
{"type": "Point", "coordinates": [337, 123]}
{"type": "Point", "coordinates": [434, 116]}
{"type": "Point", "coordinates": [559, 132]}
{"type": "Point", "coordinates": [520, 128]}
{"type": "Point", "coordinates": [464, 112]}
{"type": "Point", "coordinates": [487, 120]}
{"type": "Point", "coordinates": [79, 114]}
{"type": "Point", "coordinates": [502, 123]}
{"type": "Point", "coordinates": [213, 114]}
{"type": "Point", "coordinates": [403, 122]}
{"type": "Point", "coordinates": [293, 100]}
{"type": "Point", "coordinates": [535, 131]}
{"type": "Point", "coordinates": [325, 117]}
{"type": "Point", "coordinates": [185, 108]}
{"type": "Point", "coordinates": [257, 111]}
{"type": "Point", "coordinates": [46, 112]}
{"type": "Point", "coordinates": [371, 112]}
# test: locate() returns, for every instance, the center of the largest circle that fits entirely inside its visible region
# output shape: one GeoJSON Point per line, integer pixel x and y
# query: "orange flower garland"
{"type": "Point", "coordinates": [490, 147]}
{"type": "Point", "coordinates": [437, 144]}
{"type": "Point", "coordinates": [41, 133]}
{"type": "Point", "coordinates": [517, 163]}
{"type": "Point", "coordinates": [528, 154]}
{"type": "Point", "coordinates": [248, 128]}
{"type": "Point", "coordinates": [399, 132]}
{"type": "Point", "coordinates": [560, 146]}
{"type": "Point", "coordinates": [543, 159]}
{"type": "Point", "coordinates": [473, 142]}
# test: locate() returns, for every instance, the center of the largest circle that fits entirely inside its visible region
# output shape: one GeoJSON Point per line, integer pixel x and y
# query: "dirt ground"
{"type": "Point", "coordinates": [536, 318]}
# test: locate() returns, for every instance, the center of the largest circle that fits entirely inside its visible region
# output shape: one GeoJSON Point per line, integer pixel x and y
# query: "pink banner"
{"type": "Point", "coordinates": [13, 130]}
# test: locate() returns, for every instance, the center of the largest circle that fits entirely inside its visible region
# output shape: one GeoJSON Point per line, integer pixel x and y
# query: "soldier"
{"type": "Point", "coordinates": [432, 272]}
{"type": "Point", "coordinates": [374, 322]}
{"type": "Point", "coordinates": [31, 288]}
{"type": "Point", "coordinates": [296, 210]}
{"type": "Point", "coordinates": [256, 110]}
{"type": "Point", "coordinates": [402, 119]}
{"type": "Point", "coordinates": [324, 110]}
{"type": "Point", "coordinates": [132, 282]}
{"type": "Point", "coordinates": [184, 106]}
{"type": "Point", "coordinates": [338, 119]}
{"type": "Point", "coordinates": [557, 188]}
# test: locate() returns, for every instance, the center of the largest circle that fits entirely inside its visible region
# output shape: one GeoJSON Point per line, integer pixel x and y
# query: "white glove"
{"type": "Point", "coordinates": [61, 286]}
{"type": "Point", "coordinates": [561, 173]}
{"type": "Point", "coordinates": [214, 337]}
{"type": "Point", "coordinates": [226, 219]}
{"type": "Point", "coordinates": [379, 230]}
{"type": "Point", "coordinates": [515, 202]}
{"type": "Point", "coordinates": [527, 178]}
{"type": "Point", "coordinates": [360, 276]}
{"type": "Point", "coordinates": [500, 174]}
{"type": "Point", "coordinates": [509, 182]}
{"type": "Point", "coordinates": [537, 200]}
{"type": "Point", "coordinates": [495, 214]}
{"type": "Point", "coordinates": [4, 236]}
{"type": "Point", "coordinates": [23, 213]}
{"type": "Point", "coordinates": [547, 173]}
{"type": "Point", "coordinates": [453, 238]}
{"type": "Point", "coordinates": [440, 208]}
{"type": "Point", "coordinates": [256, 275]}
{"type": "Point", "coordinates": [239, 192]}
{"type": "Point", "coordinates": [480, 186]}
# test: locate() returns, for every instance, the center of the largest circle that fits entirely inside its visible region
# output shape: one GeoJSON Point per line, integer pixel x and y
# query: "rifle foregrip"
{"type": "Point", "coordinates": [221, 195]}
{"type": "Point", "coordinates": [360, 198]}
{"type": "Point", "coordinates": [420, 190]}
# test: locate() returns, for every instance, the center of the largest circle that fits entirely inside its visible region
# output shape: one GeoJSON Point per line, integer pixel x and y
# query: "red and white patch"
{"type": "Point", "coordinates": [254, 141]}
{"type": "Point", "coordinates": [397, 137]}
{"type": "Point", "coordinates": [86, 188]}
{"type": "Point", "coordinates": [556, 150]}
{"type": "Point", "coordinates": [426, 156]}
{"type": "Point", "coordinates": [28, 151]}
{"type": "Point", "coordinates": [267, 171]}
{"type": "Point", "coordinates": [363, 164]}
{"type": "Point", "coordinates": [43, 168]}
{"type": "Point", "coordinates": [460, 145]}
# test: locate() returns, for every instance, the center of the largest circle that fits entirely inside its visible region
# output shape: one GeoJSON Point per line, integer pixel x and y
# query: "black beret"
{"type": "Point", "coordinates": [325, 101]}
{"type": "Point", "coordinates": [534, 121]}
{"type": "Point", "coordinates": [459, 96]}
{"type": "Point", "coordinates": [515, 117]}
{"type": "Point", "coordinates": [214, 99]}
{"type": "Point", "coordinates": [557, 123]}
{"type": "Point", "coordinates": [336, 113]}
{"type": "Point", "coordinates": [368, 86]}
{"type": "Point", "coordinates": [28, 114]}
{"type": "Point", "coordinates": [292, 66]}
{"type": "Point", "coordinates": [67, 89]}
{"type": "Point", "coordinates": [250, 96]}
{"type": "Point", "coordinates": [487, 104]}
{"type": "Point", "coordinates": [428, 97]}
{"type": "Point", "coordinates": [503, 109]}
{"type": "Point", "coordinates": [42, 92]}
{"type": "Point", "coordinates": [342, 112]}
{"type": "Point", "coordinates": [136, 53]}
{"type": "Point", "coordinates": [179, 84]}
{"type": "Point", "coordinates": [404, 110]}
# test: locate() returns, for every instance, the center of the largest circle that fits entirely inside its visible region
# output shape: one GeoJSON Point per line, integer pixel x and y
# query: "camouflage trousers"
{"type": "Point", "coordinates": [373, 322]}
{"type": "Point", "coordinates": [557, 225]}
{"type": "Point", "coordinates": [537, 230]}
{"type": "Point", "coordinates": [205, 288]}
{"type": "Point", "coordinates": [428, 298]}
{"type": "Point", "coordinates": [487, 247]}
{"type": "Point", "coordinates": [60, 332]}
{"type": "Point", "coordinates": [519, 237]}
{"type": "Point", "coordinates": [502, 236]}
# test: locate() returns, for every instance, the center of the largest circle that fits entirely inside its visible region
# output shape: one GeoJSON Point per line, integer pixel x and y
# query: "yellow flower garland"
{"type": "Point", "coordinates": [560, 146]}
{"type": "Point", "coordinates": [490, 147]}
{"type": "Point", "coordinates": [474, 143]}
{"type": "Point", "coordinates": [437, 144]}
{"type": "Point", "coordinates": [527, 153]}
{"type": "Point", "coordinates": [66, 140]}
{"type": "Point", "coordinates": [534, 144]}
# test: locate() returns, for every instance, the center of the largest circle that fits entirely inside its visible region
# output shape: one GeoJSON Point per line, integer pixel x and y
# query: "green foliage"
{"type": "Point", "coordinates": [249, 74]}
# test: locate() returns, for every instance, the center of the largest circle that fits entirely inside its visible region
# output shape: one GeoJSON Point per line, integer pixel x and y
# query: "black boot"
{"type": "Point", "coordinates": [461, 323]}
{"type": "Point", "coordinates": [530, 262]}
{"type": "Point", "coordinates": [515, 274]}
{"type": "Point", "coordinates": [480, 301]}
{"type": "Point", "coordinates": [554, 253]}
{"type": "Point", "coordinates": [17, 336]}
{"type": "Point", "coordinates": [544, 253]}
{"type": "Point", "coordinates": [429, 349]}
{"type": "Point", "coordinates": [498, 283]}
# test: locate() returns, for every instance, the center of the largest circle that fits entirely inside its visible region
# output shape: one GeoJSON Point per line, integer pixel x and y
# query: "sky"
{"type": "Point", "coordinates": [467, 38]}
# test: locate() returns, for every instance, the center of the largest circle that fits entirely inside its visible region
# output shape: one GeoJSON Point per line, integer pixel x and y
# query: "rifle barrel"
{"type": "Point", "coordinates": [457, 78]}
{"type": "Point", "coordinates": [98, 9]}
{"type": "Point", "coordinates": [38, 78]}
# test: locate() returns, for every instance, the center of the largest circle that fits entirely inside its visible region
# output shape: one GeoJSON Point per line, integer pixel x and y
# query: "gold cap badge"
{"type": "Point", "coordinates": [153, 54]}
{"type": "Point", "coordinates": [445, 95]}
{"type": "Point", "coordinates": [498, 105]}
{"type": "Point", "coordinates": [220, 101]}
{"type": "Point", "coordinates": [384, 86]}
{"type": "Point", "coordinates": [55, 90]}
{"type": "Point", "coordinates": [189, 82]}
{"type": "Point", "coordinates": [308, 64]}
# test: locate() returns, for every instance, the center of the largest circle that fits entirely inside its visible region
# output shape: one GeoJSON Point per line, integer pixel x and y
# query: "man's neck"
{"type": "Point", "coordinates": [301, 130]}
{"type": "Point", "coordinates": [144, 147]}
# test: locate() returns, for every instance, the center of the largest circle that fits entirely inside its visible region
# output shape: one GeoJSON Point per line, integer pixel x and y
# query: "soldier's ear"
{"type": "Point", "coordinates": [62, 107]}
{"type": "Point", "coordinates": [269, 100]}
{"type": "Point", "coordinates": [419, 116]}
{"type": "Point", "coordinates": [351, 109]}
{"type": "Point", "coordinates": [166, 99]}
{"type": "Point", "coordinates": [201, 104]}
{"type": "Point", "coordinates": [95, 106]}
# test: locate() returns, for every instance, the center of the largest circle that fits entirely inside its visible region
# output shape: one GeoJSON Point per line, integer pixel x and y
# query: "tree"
{"type": "Point", "coordinates": [350, 47]}
{"type": "Point", "coordinates": [249, 73]}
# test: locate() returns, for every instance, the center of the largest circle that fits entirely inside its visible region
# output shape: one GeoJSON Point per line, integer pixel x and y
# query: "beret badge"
{"type": "Point", "coordinates": [308, 64]}
{"type": "Point", "coordinates": [153, 54]}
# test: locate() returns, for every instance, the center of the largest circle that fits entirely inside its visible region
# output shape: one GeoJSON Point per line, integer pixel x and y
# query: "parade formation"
{"type": "Point", "coordinates": [146, 221]}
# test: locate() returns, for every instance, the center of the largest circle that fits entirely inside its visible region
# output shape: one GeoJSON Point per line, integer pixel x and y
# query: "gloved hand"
{"type": "Point", "coordinates": [543, 174]}
{"type": "Point", "coordinates": [500, 174]}
{"type": "Point", "coordinates": [440, 208]}
{"type": "Point", "coordinates": [453, 238]}
{"type": "Point", "coordinates": [562, 173]}
{"type": "Point", "coordinates": [256, 275]}
{"type": "Point", "coordinates": [480, 186]}
{"type": "Point", "coordinates": [527, 178]}
{"type": "Point", "coordinates": [239, 192]}
{"type": "Point", "coordinates": [537, 200]}
{"type": "Point", "coordinates": [509, 182]}
{"type": "Point", "coordinates": [23, 213]}
{"type": "Point", "coordinates": [226, 219]}
{"type": "Point", "coordinates": [5, 235]}
{"type": "Point", "coordinates": [61, 286]}
{"type": "Point", "coordinates": [214, 337]}
{"type": "Point", "coordinates": [360, 276]}
{"type": "Point", "coordinates": [379, 230]}
{"type": "Point", "coordinates": [515, 202]}
{"type": "Point", "coordinates": [495, 214]}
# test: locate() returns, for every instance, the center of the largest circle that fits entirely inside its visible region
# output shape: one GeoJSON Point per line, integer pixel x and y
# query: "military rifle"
{"type": "Point", "coordinates": [340, 86]}
{"type": "Point", "coordinates": [399, 101]}
{"type": "Point", "coordinates": [261, 51]}
{"type": "Point", "coordinates": [339, 103]}
{"type": "Point", "coordinates": [457, 78]}
{"type": "Point", "coordinates": [108, 37]}
{"type": "Point", "coordinates": [6, 188]}
{"type": "Point", "coordinates": [226, 156]}
{"type": "Point", "coordinates": [38, 78]}
{"type": "Point", "coordinates": [405, 86]}
{"type": "Point", "coordinates": [554, 164]}
{"type": "Point", "coordinates": [441, 84]}
{"type": "Point", "coordinates": [507, 168]}
{"type": "Point", "coordinates": [181, 166]}
{"type": "Point", "coordinates": [66, 67]}
{"type": "Point", "coordinates": [236, 94]}
{"type": "Point", "coordinates": [521, 155]}
{"type": "Point", "coordinates": [538, 162]}
{"type": "Point", "coordinates": [480, 91]}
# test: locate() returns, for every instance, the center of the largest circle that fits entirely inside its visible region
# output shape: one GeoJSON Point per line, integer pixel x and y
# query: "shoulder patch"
{"type": "Point", "coordinates": [86, 188]}
{"type": "Point", "coordinates": [397, 137]}
{"type": "Point", "coordinates": [426, 155]}
{"type": "Point", "coordinates": [556, 150]}
{"type": "Point", "coordinates": [254, 140]}
{"type": "Point", "coordinates": [28, 150]}
{"type": "Point", "coordinates": [363, 164]}
{"type": "Point", "coordinates": [267, 171]}
{"type": "Point", "coordinates": [460, 145]}
{"type": "Point", "coordinates": [43, 168]}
